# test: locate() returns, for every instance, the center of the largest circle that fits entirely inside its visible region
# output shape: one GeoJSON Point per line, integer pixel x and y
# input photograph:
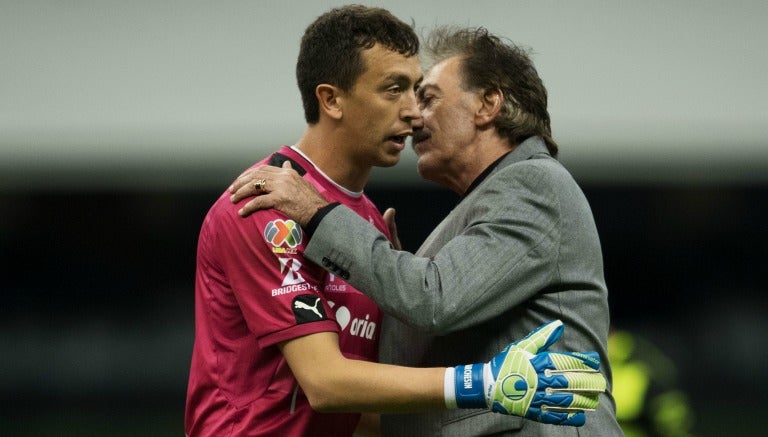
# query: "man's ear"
{"type": "Point", "coordinates": [329, 99]}
{"type": "Point", "coordinates": [491, 102]}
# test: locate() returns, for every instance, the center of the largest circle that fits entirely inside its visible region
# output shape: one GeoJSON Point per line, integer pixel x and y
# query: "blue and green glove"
{"type": "Point", "coordinates": [527, 381]}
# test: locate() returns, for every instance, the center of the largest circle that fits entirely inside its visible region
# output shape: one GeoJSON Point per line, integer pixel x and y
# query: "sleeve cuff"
{"type": "Point", "coordinates": [314, 222]}
{"type": "Point", "coordinates": [449, 389]}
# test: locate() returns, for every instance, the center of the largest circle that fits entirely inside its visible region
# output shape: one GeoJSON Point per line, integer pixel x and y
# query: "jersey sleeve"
{"type": "Point", "coordinates": [277, 289]}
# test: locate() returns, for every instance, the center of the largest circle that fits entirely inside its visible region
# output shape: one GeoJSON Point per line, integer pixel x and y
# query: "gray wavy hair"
{"type": "Point", "coordinates": [490, 63]}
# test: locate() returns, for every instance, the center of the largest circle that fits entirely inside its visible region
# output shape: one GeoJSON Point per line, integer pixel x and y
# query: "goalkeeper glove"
{"type": "Point", "coordinates": [524, 380]}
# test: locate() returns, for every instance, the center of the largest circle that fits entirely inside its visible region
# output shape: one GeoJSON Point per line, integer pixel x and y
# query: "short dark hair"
{"type": "Point", "coordinates": [490, 63]}
{"type": "Point", "coordinates": [331, 49]}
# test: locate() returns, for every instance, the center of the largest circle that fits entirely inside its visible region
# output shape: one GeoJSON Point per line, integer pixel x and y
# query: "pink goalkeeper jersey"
{"type": "Point", "coordinates": [254, 289]}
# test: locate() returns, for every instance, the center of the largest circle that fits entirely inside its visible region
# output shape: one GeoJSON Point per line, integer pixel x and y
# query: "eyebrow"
{"type": "Point", "coordinates": [423, 89]}
{"type": "Point", "coordinates": [401, 78]}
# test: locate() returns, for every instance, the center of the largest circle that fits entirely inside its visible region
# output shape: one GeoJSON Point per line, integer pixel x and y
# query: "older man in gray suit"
{"type": "Point", "coordinates": [521, 247]}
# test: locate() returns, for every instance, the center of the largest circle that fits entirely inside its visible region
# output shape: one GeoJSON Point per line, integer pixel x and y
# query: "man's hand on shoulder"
{"type": "Point", "coordinates": [280, 188]}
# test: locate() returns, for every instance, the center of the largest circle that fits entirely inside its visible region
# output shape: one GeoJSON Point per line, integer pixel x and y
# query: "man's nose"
{"type": "Point", "coordinates": [417, 123]}
{"type": "Point", "coordinates": [410, 109]}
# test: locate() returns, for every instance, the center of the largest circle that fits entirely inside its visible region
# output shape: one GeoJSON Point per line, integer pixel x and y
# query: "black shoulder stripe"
{"type": "Point", "coordinates": [277, 160]}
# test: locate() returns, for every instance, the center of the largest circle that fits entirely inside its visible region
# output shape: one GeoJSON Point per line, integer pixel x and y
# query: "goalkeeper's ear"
{"type": "Point", "coordinates": [541, 338]}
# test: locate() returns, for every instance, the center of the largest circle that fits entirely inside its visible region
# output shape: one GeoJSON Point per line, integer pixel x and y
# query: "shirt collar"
{"type": "Point", "coordinates": [526, 150]}
{"type": "Point", "coordinates": [484, 174]}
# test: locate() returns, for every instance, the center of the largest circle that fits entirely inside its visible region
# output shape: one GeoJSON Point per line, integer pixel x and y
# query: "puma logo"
{"type": "Point", "coordinates": [308, 308]}
{"type": "Point", "coordinates": [301, 305]}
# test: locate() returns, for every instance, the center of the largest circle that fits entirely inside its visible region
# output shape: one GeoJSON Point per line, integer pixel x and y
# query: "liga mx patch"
{"type": "Point", "coordinates": [308, 308]}
{"type": "Point", "coordinates": [282, 233]}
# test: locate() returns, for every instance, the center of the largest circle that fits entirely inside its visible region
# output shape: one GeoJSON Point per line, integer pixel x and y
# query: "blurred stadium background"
{"type": "Point", "coordinates": [120, 122]}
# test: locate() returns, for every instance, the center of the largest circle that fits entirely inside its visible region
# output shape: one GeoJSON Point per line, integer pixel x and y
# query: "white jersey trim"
{"type": "Point", "coordinates": [350, 193]}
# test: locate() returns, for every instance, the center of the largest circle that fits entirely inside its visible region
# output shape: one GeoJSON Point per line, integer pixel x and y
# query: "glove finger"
{"type": "Point", "coordinates": [566, 361]}
{"type": "Point", "coordinates": [586, 401]}
{"type": "Point", "coordinates": [569, 419]}
{"type": "Point", "coordinates": [569, 402]}
{"type": "Point", "coordinates": [586, 382]}
{"type": "Point", "coordinates": [545, 415]}
{"type": "Point", "coordinates": [541, 338]}
{"type": "Point", "coordinates": [576, 381]}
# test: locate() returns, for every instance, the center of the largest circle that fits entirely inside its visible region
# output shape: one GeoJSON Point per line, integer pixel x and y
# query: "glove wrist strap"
{"type": "Point", "coordinates": [468, 386]}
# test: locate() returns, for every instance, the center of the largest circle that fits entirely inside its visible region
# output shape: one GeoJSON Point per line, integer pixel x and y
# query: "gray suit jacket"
{"type": "Point", "coordinates": [519, 250]}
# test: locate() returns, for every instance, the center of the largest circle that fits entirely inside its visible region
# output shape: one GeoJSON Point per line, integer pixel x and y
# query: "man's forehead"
{"type": "Point", "coordinates": [389, 62]}
{"type": "Point", "coordinates": [448, 67]}
{"type": "Point", "coordinates": [446, 73]}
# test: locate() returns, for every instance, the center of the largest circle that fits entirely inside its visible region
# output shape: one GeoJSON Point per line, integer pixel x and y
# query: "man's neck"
{"type": "Point", "coordinates": [328, 154]}
{"type": "Point", "coordinates": [484, 153]}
